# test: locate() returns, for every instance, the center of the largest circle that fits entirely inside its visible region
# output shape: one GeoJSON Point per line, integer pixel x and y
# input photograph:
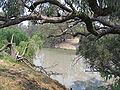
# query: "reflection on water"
{"type": "Point", "coordinates": [86, 85]}
{"type": "Point", "coordinates": [73, 76]}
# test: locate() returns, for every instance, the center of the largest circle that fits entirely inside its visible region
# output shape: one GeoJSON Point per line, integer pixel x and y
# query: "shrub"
{"type": "Point", "coordinates": [19, 35]}
{"type": "Point", "coordinates": [34, 44]}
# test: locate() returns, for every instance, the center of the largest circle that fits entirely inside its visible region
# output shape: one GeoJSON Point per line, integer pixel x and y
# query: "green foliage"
{"type": "Point", "coordinates": [6, 35]}
{"type": "Point", "coordinates": [1, 87]}
{"type": "Point", "coordinates": [114, 6]}
{"type": "Point", "coordinates": [36, 40]}
{"type": "Point", "coordinates": [102, 55]}
{"type": "Point", "coordinates": [21, 40]}
{"type": "Point", "coordinates": [48, 10]}
{"type": "Point", "coordinates": [1, 56]}
{"type": "Point", "coordinates": [43, 31]}
{"type": "Point", "coordinates": [21, 46]}
{"type": "Point", "coordinates": [50, 29]}
{"type": "Point", "coordinates": [3, 42]}
{"type": "Point", "coordinates": [11, 60]}
{"type": "Point", "coordinates": [7, 58]}
{"type": "Point", "coordinates": [115, 86]}
{"type": "Point", "coordinates": [12, 8]}
{"type": "Point", "coordinates": [34, 44]}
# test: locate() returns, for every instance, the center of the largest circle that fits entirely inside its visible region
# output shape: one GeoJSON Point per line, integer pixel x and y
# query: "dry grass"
{"type": "Point", "coordinates": [15, 76]}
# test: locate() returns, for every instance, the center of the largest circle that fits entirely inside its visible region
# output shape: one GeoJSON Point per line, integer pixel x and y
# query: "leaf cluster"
{"type": "Point", "coordinates": [103, 55]}
{"type": "Point", "coordinates": [12, 8]}
{"type": "Point", "coordinates": [21, 39]}
{"type": "Point", "coordinates": [19, 35]}
{"type": "Point", "coordinates": [34, 44]}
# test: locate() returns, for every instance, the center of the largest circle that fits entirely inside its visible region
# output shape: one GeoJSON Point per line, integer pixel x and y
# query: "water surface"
{"type": "Point", "coordinates": [73, 74]}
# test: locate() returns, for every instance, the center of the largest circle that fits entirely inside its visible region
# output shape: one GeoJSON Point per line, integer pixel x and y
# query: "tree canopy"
{"type": "Point", "coordinates": [100, 17]}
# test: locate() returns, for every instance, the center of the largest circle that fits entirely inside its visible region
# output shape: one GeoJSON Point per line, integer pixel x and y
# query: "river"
{"type": "Point", "coordinates": [73, 74]}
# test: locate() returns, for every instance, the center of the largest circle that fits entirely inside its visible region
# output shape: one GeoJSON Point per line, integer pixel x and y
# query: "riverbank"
{"type": "Point", "coordinates": [17, 76]}
{"type": "Point", "coordinates": [73, 71]}
{"type": "Point", "coordinates": [71, 44]}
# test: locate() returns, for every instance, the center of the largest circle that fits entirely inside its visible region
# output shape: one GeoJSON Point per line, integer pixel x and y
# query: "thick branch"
{"type": "Point", "coordinates": [6, 46]}
{"type": "Point", "coordinates": [70, 33]}
{"type": "Point", "coordinates": [88, 23]}
{"type": "Point", "coordinates": [83, 17]}
{"type": "Point", "coordinates": [45, 19]}
{"type": "Point", "coordinates": [3, 18]}
{"type": "Point", "coordinates": [54, 2]}
{"type": "Point", "coordinates": [98, 11]}
{"type": "Point", "coordinates": [12, 38]}
{"type": "Point", "coordinates": [81, 33]}
{"type": "Point", "coordinates": [109, 31]}
{"type": "Point", "coordinates": [105, 23]}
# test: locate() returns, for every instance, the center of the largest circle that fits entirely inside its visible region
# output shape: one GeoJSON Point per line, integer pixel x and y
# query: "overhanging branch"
{"type": "Point", "coordinates": [105, 23]}
{"type": "Point", "coordinates": [45, 19]}
{"type": "Point", "coordinates": [54, 2]}
{"type": "Point", "coordinates": [72, 15]}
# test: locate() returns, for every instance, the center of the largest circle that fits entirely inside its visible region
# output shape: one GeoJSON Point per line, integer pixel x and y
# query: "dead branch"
{"type": "Point", "coordinates": [25, 49]}
{"type": "Point", "coordinates": [69, 31]}
{"type": "Point", "coordinates": [51, 66]}
{"type": "Point", "coordinates": [75, 61]}
{"type": "Point", "coordinates": [5, 47]}
{"type": "Point", "coordinates": [38, 68]}
{"type": "Point", "coordinates": [12, 38]}
{"type": "Point", "coordinates": [50, 73]}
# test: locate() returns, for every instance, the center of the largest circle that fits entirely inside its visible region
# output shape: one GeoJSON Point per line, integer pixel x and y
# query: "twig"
{"type": "Point", "coordinates": [54, 73]}
{"type": "Point", "coordinates": [76, 60]}
{"type": "Point", "coordinates": [12, 38]}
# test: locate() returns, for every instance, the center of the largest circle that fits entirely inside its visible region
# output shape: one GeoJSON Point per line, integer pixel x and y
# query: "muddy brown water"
{"type": "Point", "coordinates": [73, 75]}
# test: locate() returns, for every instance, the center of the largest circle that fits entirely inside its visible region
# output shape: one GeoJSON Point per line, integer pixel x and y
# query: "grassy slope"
{"type": "Point", "coordinates": [17, 76]}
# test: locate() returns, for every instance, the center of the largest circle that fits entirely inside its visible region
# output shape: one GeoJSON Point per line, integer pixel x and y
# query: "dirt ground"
{"type": "Point", "coordinates": [17, 76]}
{"type": "Point", "coordinates": [68, 44]}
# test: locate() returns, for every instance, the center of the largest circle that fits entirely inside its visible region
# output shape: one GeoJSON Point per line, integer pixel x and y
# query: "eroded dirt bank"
{"type": "Point", "coordinates": [17, 76]}
{"type": "Point", "coordinates": [71, 44]}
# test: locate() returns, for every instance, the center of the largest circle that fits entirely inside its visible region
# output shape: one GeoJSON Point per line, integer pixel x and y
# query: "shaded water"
{"type": "Point", "coordinates": [73, 75]}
